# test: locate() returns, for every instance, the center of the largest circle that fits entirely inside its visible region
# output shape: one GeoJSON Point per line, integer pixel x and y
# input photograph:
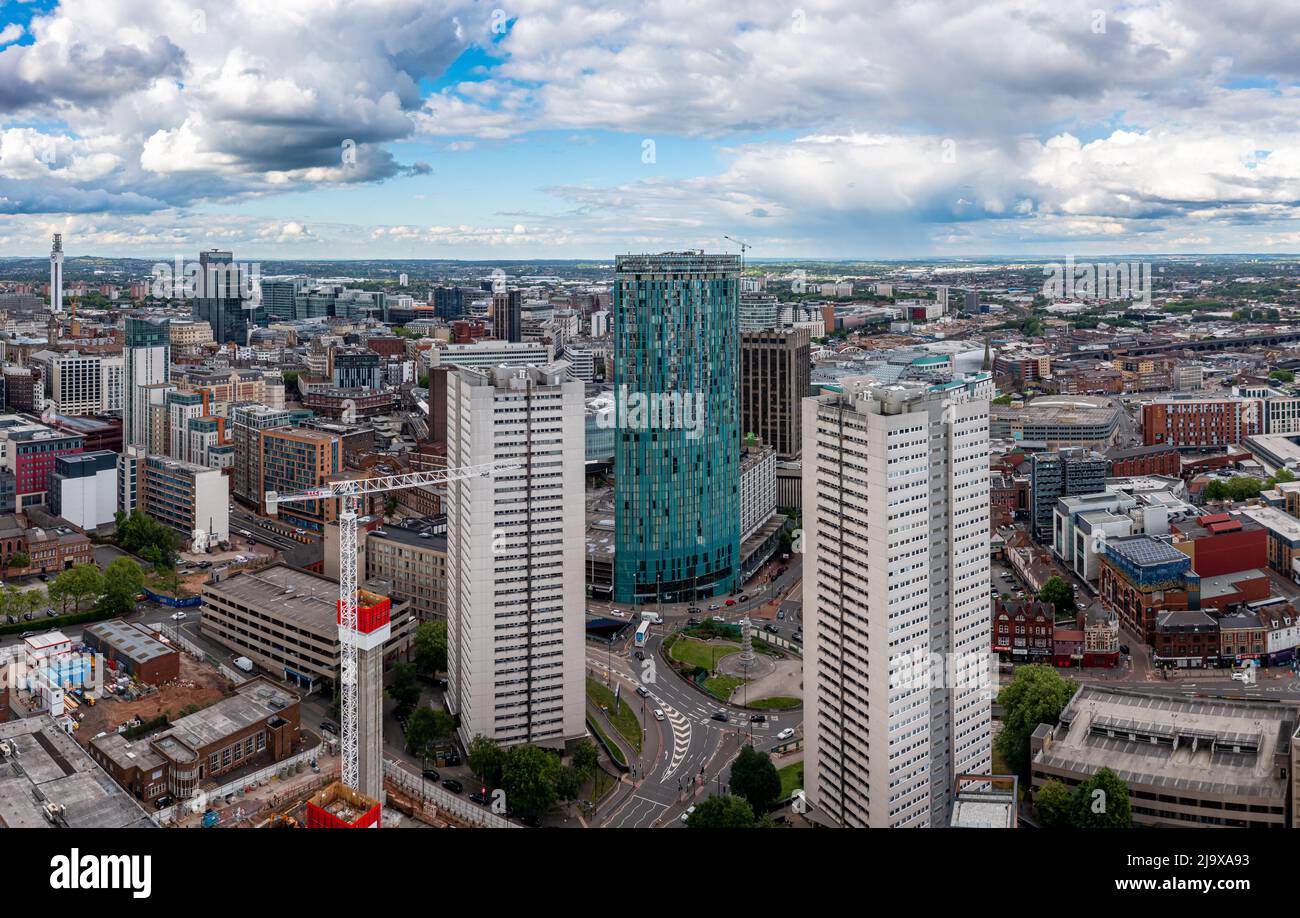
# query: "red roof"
{"type": "Point", "coordinates": [1212, 518]}
{"type": "Point", "coordinates": [1225, 526]}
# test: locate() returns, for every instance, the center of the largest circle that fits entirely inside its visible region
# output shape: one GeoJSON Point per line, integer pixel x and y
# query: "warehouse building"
{"type": "Point", "coordinates": [133, 649]}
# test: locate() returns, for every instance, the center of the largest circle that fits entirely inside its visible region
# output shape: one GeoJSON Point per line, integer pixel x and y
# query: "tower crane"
{"type": "Point", "coordinates": [349, 492]}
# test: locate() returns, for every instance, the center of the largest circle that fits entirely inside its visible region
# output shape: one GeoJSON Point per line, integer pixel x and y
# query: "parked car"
{"type": "Point", "coordinates": [479, 797]}
{"type": "Point", "coordinates": [786, 733]}
{"type": "Point", "coordinates": [659, 715]}
{"type": "Point", "coordinates": [329, 726]}
{"type": "Point", "coordinates": [431, 774]}
{"type": "Point", "coordinates": [452, 785]}
{"type": "Point", "coordinates": [163, 802]}
{"type": "Point", "coordinates": [26, 634]}
{"type": "Point", "coordinates": [780, 615]}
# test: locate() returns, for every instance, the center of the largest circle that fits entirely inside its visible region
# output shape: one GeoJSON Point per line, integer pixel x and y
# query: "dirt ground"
{"type": "Point", "coordinates": [198, 684]}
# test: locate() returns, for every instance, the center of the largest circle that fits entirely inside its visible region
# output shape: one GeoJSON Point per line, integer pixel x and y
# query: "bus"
{"type": "Point", "coordinates": [642, 632]}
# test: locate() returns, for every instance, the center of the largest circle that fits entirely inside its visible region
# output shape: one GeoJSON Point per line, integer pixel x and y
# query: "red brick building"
{"type": "Point", "coordinates": [1200, 423]}
{"type": "Point", "coordinates": [1160, 459]}
{"type": "Point", "coordinates": [1185, 639]}
{"type": "Point", "coordinates": [1222, 543]}
{"type": "Point", "coordinates": [1022, 631]}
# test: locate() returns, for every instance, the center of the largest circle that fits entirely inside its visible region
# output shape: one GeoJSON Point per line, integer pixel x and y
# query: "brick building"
{"type": "Point", "coordinates": [134, 649]}
{"type": "Point", "coordinates": [1022, 631]}
{"type": "Point", "coordinates": [1160, 459]}
{"type": "Point", "coordinates": [1185, 639]}
{"type": "Point", "coordinates": [1200, 423]}
{"type": "Point", "coordinates": [1222, 543]}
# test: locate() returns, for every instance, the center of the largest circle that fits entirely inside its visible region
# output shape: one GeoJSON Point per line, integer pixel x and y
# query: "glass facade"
{"type": "Point", "coordinates": [677, 432]}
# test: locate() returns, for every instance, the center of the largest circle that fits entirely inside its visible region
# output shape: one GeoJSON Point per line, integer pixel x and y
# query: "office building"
{"type": "Point", "coordinates": [448, 303]}
{"type": "Point", "coordinates": [489, 354]}
{"type": "Point", "coordinates": [677, 458]}
{"type": "Point", "coordinates": [221, 298]}
{"type": "Point", "coordinates": [278, 298]}
{"type": "Point", "coordinates": [1066, 473]}
{"type": "Point", "coordinates": [246, 425]}
{"type": "Point", "coordinates": [507, 315]}
{"type": "Point", "coordinates": [29, 454]}
{"type": "Point", "coordinates": [81, 384]}
{"type": "Point", "coordinates": [515, 582]}
{"type": "Point", "coordinates": [774, 380]}
{"type": "Point", "coordinates": [896, 569]}
{"type": "Point", "coordinates": [83, 488]}
{"type": "Point", "coordinates": [412, 557]}
{"type": "Point", "coordinates": [356, 369]}
{"type": "Point", "coordinates": [185, 496]}
{"type": "Point", "coordinates": [758, 311]}
{"type": "Point", "coordinates": [146, 354]}
{"type": "Point", "coordinates": [295, 460]}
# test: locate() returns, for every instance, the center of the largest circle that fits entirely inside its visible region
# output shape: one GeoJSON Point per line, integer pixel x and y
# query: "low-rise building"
{"type": "Point", "coordinates": [1185, 639]}
{"type": "Point", "coordinates": [1186, 762]}
{"type": "Point", "coordinates": [134, 649]}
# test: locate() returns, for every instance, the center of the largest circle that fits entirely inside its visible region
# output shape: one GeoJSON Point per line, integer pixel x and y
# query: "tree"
{"type": "Point", "coordinates": [1281, 375]}
{"type": "Point", "coordinates": [1053, 804]}
{"type": "Point", "coordinates": [403, 689]}
{"type": "Point", "coordinates": [423, 728]}
{"type": "Point", "coordinates": [1279, 476]}
{"type": "Point", "coordinates": [585, 759]}
{"type": "Point", "coordinates": [754, 777]}
{"type": "Point", "coordinates": [390, 505]}
{"type": "Point", "coordinates": [1035, 696]}
{"type": "Point", "coordinates": [1215, 490]}
{"type": "Point", "coordinates": [1058, 593]}
{"type": "Point", "coordinates": [568, 783]}
{"type": "Point", "coordinates": [431, 648]}
{"type": "Point", "coordinates": [1244, 487]}
{"type": "Point", "coordinates": [529, 779]}
{"type": "Point", "coordinates": [123, 581]}
{"type": "Point", "coordinates": [486, 760]}
{"type": "Point", "coordinates": [144, 536]}
{"type": "Point", "coordinates": [1101, 802]}
{"type": "Point", "coordinates": [723, 812]}
{"type": "Point", "coordinates": [19, 560]}
{"type": "Point", "coordinates": [79, 583]}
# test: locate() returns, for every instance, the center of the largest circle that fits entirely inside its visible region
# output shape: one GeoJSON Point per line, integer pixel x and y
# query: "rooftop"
{"type": "Point", "coordinates": [50, 767]}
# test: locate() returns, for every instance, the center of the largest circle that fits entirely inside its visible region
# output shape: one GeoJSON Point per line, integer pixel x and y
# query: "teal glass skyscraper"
{"type": "Point", "coordinates": [676, 458]}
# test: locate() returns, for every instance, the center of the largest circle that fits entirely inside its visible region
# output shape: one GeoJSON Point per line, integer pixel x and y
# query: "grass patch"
{"type": "Point", "coordinates": [697, 654]}
{"type": "Point", "coordinates": [601, 785]}
{"type": "Point", "coordinates": [615, 752]}
{"type": "Point", "coordinates": [791, 779]}
{"type": "Point", "coordinates": [624, 720]}
{"type": "Point", "coordinates": [721, 687]}
{"type": "Point", "coordinates": [775, 703]}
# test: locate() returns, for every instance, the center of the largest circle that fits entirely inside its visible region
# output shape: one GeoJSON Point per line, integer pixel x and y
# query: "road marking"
{"type": "Point", "coordinates": [681, 736]}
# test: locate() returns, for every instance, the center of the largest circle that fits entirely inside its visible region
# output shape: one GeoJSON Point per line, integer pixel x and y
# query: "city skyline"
{"type": "Point", "coordinates": [458, 130]}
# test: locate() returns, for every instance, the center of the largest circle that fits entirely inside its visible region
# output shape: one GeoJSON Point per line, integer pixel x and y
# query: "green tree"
{"type": "Point", "coordinates": [431, 648]}
{"type": "Point", "coordinates": [79, 583]}
{"type": "Point", "coordinates": [568, 783]}
{"type": "Point", "coordinates": [486, 760]}
{"type": "Point", "coordinates": [18, 560]}
{"type": "Point", "coordinates": [421, 731]}
{"type": "Point", "coordinates": [1216, 490]}
{"type": "Point", "coordinates": [1101, 802]}
{"type": "Point", "coordinates": [529, 779]}
{"type": "Point", "coordinates": [390, 505]}
{"type": "Point", "coordinates": [723, 812]}
{"type": "Point", "coordinates": [1244, 487]}
{"type": "Point", "coordinates": [403, 688]}
{"type": "Point", "coordinates": [1036, 695]}
{"type": "Point", "coordinates": [755, 778]}
{"type": "Point", "coordinates": [144, 536]}
{"type": "Point", "coordinates": [123, 581]}
{"type": "Point", "coordinates": [1281, 475]}
{"type": "Point", "coordinates": [585, 759]}
{"type": "Point", "coordinates": [1053, 804]}
{"type": "Point", "coordinates": [1058, 593]}
{"type": "Point", "coordinates": [1281, 375]}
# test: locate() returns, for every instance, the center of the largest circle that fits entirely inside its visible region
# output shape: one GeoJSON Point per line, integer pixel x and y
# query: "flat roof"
{"type": "Point", "coordinates": [51, 767]}
{"type": "Point", "coordinates": [130, 639]}
{"type": "Point", "coordinates": [304, 599]}
{"type": "Point", "coordinates": [1220, 748]}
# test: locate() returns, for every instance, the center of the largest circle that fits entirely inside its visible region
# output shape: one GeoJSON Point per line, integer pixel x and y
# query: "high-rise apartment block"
{"type": "Point", "coordinates": [677, 437]}
{"type": "Point", "coordinates": [896, 578]}
{"type": "Point", "coordinates": [515, 551]}
{"type": "Point", "coordinates": [146, 354]}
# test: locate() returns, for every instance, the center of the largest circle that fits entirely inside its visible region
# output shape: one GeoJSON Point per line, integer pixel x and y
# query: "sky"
{"type": "Point", "coordinates": [582, 129]}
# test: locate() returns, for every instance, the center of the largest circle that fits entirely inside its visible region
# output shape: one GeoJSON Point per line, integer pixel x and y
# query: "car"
{"type": "Point", "coordinates": [771, 628]}
{"type": "Point", "coordinates": [177, 616]}
{"type": "Point", "coordinates": [692, 609]}
{"type": "Point", "coordinates": [714, 607]}
{"type": "Point", "coordinates": [730, 602]}
{"type": "Point", "coordinates": [692, 621]}
{"type": "Point", "coordinates": [758, 718]}
{"type": "Point", "coordinates": [780, 615]}
{"type": "Point", "coordinates": [618, 613]}
{"type": "Point", "coordinates": [786, 733]}
{"type": "Point", "coordinates": [659, 715]}
{"type": "Point", "coordinates": [718, 715]}
{"type": "Point", "coordinates": [431, 774]}
{"type": "Point", "coordinates": [718, 618]}
{"type": "Point", "coordinates": [329, 726]}
{"type": "Point", "coordinates": [687, 814]}
{"type": "Point", "coordinates": [1123, 648]}
{"type": "Point", "coordinates": [452, 785]}
{"type": "Point", "coordinates": [244, 532]}
{"type": "Point", "coordinates": [163, 802]}
{"type": "Point", "coordinates": [43, 576]}
{"type": "Point", "coordinates": [640, 655]}
{"type": "Point", "coordinates": [1244, 676]}
{"type": "Point", "coordinates": [26, 634]}
{"type": "Point", "coordinates": [643, 691]}
{"type": "Point", "coordinates": [479, 797]}
{"type": "Point", "coordinates": [744, 597]}
{"type": "Point", "coordinates": [451, 757]}
{"type": "Point", "coordinates": [252, 541]}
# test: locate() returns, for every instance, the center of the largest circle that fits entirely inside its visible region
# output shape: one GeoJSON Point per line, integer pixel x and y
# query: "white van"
{"type": "Point", "coordinates": [653, 618]}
